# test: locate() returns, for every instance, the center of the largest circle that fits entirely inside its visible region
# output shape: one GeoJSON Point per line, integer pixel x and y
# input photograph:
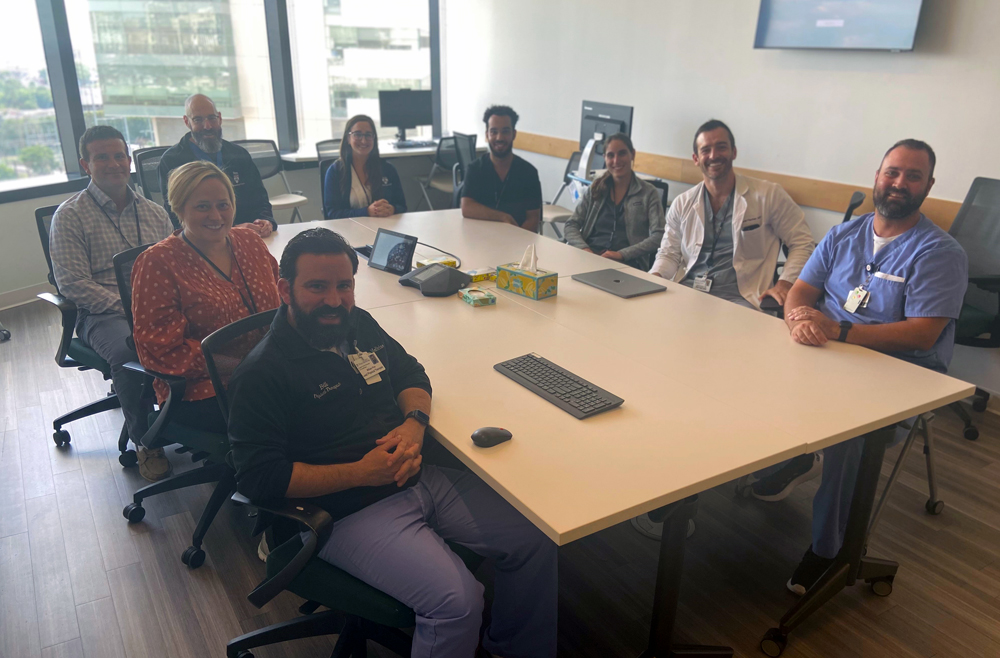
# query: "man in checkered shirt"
{"type": "Point", "coordinates": [87, 230]}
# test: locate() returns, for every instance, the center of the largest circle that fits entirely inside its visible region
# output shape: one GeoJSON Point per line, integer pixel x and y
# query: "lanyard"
{"type": "Point", "coordinates": [364, 189]}
{"type": "Point", "coordinates": [135, 209]}
{"type": "Point", "coordinates": [252, 306]}
{"type": "Point", "coordinates": [717, 227]}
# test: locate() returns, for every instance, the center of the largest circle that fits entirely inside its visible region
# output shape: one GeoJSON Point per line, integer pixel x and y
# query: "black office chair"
{"type": "Point", "coordinates": [266, 156]}
{"type": "Point", "coordinates": [552, 213]}
{"type": "Point", "coordinates": [324, 166]}
{"type": "Point", "coordinates": [977, 229]}
{"type": "Point", "coordinates": [207, 448]}
{"type": "Point", "coordinates": [442, 175]}
{"type": "Point", "coordinates": [328, 149]}
{"type": "Point", "coordinates": [356, 611]}
{"type": "Point", "coordinates": [74, 353]}
{"type": "Point", "coordinates": [147, 164]}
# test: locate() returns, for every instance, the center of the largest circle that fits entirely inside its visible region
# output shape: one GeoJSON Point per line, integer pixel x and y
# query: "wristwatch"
{"type": "Point", "coordinates": [420, 417]}
{"type": "Point", "coordinates": [845, 326]}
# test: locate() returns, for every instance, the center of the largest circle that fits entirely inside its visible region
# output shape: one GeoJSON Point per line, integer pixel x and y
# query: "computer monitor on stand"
{"type": "Point", "coordinates": [405, 108]}
{"type": "Point", "coordinates": [597, 121]}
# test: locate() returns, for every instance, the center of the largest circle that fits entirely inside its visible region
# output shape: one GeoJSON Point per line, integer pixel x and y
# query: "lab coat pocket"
{"type": "Point", "coordinates": [885, 304]}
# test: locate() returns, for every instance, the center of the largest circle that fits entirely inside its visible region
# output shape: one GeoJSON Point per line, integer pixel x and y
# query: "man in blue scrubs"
{"type": "Point", "coordinates": [891, 281]}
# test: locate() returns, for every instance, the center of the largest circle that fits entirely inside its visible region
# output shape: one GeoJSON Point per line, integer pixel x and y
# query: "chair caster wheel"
{"type": "Point", "coordinates": [971, 433]}
{"type": "Point", "coordinates": [193, 557]}
{"type": "Point", "coordinates": [743, 488]}
{"type": "Point", "coordinates": [934, 507]}
{"type": "Point", "coordinates": [244, 654]}
{"type": "Point", "coordinates": [773, 643]}
{"type": "Point", "coordinates": [134, 513]}
{"type": "Point", "coordinates": [61, 438]}
{"type": "Point", "coordinates": [4, 335]}
{"type": "Point", "coordinates": [979, 404]}
{"type": "Point", "coordinates": [128, 459]}
{"type": "Point", "coordinates": [882, 586]}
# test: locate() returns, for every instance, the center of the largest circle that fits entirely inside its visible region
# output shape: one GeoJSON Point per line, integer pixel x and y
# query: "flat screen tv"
{"type": "Point", "coordinates": [838, 24]}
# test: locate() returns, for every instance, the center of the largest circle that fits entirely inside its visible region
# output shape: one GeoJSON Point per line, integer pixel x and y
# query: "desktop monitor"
{"type": "Point", "coordinates": [405, 108]}
{"type": "Point", "coordinates": [603, 118]}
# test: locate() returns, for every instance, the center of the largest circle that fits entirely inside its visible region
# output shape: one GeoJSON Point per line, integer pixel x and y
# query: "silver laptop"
{"type": "Point", "coordinates": [619, 283]}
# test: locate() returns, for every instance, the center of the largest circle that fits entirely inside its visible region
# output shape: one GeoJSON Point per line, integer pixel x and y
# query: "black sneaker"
{"type": "Point", "coordinates": [810, 569]}
{"type": "Point", "coordinates": [777, 486]}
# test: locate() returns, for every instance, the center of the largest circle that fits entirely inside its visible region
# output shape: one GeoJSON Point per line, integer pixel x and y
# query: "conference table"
{"type": "Point", "coordinates": [713, 391]}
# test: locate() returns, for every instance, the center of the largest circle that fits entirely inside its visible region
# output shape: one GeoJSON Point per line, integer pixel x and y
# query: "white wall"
{"type": "Point", "coordinates": [827, 115]}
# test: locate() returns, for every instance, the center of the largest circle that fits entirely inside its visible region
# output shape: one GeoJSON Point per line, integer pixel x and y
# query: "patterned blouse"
{"type": "Point", "coordinates": [178, 299]}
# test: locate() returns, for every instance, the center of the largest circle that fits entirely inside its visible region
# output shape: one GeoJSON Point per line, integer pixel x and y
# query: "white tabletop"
{"type": "Point", "coordinates": [712, 390]}
{"type": "Point", "coordinates": [386, 148]}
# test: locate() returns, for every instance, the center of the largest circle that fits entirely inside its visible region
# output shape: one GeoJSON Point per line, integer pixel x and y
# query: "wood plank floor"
{"type": "Point", "coordinates": [76, 580]}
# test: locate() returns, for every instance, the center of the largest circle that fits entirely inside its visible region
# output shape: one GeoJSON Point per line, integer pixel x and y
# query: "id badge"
{"type": "Point", "coordinates": [702, 283]}
{"type": "Point", "coordinates": [855, 299]}
{"type": "Point", "coordinates": [367, 364]}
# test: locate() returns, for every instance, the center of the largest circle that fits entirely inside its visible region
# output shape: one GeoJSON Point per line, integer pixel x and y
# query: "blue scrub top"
{"type": "Point", "coordinates": [932, 265]}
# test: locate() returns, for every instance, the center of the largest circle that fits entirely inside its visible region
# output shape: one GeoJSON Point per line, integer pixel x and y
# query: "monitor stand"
{"type": "Point", "coordinates": [403, 143]}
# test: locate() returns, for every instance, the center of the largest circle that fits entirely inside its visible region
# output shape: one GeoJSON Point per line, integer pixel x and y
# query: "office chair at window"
{"type": "Point", "coordinates": [72, 352]}
{"type": "Point", "coordinates": [442, 175]}
{"type": "Point", "coordinates": [327, 149]}
{"type": "Point", "coordinates": [266, 156]}
{"type": "Point", "coordinates": [147, 165]}
{"type": "Point", "coordinates": [206, 448]}
{"type": "Point", "coordinates": [553, 214]}
{"type": "Point", "coordinates": [357, 612]}
{"type": "Point", "coordinates": [977, 229]}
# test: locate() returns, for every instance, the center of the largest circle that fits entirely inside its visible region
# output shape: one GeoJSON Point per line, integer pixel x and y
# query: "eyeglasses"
{"type": "Point", "coordinates": [211, 119]}
{"type": "Point", "coordinates": [360, 136]}
{"type": "Point", "coordinates": [496, 132]}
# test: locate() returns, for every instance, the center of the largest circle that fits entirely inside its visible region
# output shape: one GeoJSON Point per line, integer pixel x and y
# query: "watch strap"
{"type": "Point", "coordinates": [845, 326]}
{"type": "Point", "coordinates": [419, 416]}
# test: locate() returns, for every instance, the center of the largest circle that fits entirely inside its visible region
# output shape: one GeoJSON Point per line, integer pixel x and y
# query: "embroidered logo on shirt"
{"type": "Point", "coordinates": [325, 388]}
{"type": "Point", "coordinates": [385, 180]}
{"type": "Point", "coordinates": [236, 178]}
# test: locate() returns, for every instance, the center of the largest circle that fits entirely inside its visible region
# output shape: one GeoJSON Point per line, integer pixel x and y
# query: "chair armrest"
{"type": "Point", "coordinates": [177, 387]}
{"type": "Point", "coordinates": [319, 524]}
{"type": "Point", "coordinates": [988, 283]}
{"type": "Point", "coordinates": [454, 175]}
{"type": "Point", "coordinates": [67, 308]}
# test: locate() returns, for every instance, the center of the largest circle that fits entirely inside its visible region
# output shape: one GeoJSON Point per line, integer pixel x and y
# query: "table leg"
{"type": "Point", "coordinates": [668, 583]}
{"type": "Point", "coordinates": [851, 564]}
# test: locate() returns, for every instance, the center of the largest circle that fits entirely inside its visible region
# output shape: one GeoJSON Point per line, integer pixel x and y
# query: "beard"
{"type": "Point", "coordinates": [319, 335]}
{"type": "Point", "coordinates": [897, 209]}
{"type": "Point", "coordinates": [727, 166]}
{"type": "Point", "coordinates": [500, 152]}
{"type": "Point", "coordinates": [208, 140]}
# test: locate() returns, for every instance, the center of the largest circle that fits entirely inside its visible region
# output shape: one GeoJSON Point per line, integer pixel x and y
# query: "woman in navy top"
{"type": "Point", "coordinates": [360, 183]}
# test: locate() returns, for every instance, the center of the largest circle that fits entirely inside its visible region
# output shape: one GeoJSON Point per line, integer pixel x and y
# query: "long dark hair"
{"type": "Point", "coordinates": [373, 167]}
{"type": "Point", "coordinates": [602, 185]}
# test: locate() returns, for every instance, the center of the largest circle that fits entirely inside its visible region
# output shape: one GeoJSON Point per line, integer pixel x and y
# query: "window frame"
{"type": "Point", "coordinates": [65, 88]}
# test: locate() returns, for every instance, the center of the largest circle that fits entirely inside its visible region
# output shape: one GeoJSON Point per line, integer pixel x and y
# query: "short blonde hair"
{"type": "Point", "coordinates": [187, 177]}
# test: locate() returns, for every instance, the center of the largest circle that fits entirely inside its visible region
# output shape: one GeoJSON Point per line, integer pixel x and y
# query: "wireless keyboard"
{"type": "Point", "coordinates": [572, 394]}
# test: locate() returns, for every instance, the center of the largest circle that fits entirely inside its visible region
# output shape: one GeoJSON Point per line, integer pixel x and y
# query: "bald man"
{"type": "Point", "coordinates": [204, 142]}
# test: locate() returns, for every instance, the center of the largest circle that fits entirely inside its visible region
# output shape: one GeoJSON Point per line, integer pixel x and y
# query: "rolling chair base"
{"type": "Point", "coordinates": [353, 633]}
{"type": "Point", "coordinates": [980, 400]}
{"type": "Point", "coordinates": [61, 437]}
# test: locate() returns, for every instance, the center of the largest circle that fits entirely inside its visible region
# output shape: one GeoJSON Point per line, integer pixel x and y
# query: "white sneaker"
{"type": "Point", "coordinates": [263, 550]}
{"type": "Point", "coordinates": [649, 528]}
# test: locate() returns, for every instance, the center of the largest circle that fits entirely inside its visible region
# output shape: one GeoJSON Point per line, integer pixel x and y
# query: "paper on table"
{"type": "Point", "coordinates": [529, 261]}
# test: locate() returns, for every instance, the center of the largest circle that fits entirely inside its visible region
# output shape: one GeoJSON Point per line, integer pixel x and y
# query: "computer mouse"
{"type": "Point", "coordinates": [487, 437]}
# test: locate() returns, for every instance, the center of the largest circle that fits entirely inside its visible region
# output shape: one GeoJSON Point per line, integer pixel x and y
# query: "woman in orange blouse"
{"type": "Point", "coordinates": [201, 278]}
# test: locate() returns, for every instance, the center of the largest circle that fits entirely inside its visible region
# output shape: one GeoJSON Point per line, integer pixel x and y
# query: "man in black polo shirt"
{"type": "Point", "coordinates": [204, 142]}
{"type": "Point", "coordinates": [329, 407]}
{"type": "Point", "coordinates": [500, 186]}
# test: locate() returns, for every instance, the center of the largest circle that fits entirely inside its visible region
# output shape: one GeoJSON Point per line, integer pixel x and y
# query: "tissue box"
{"type": "Point", "coordinates": [533, 285]}
{"type": "Point", "coordinates": [483, 274]}
{"type": "Point", "coordinates": [444, 260]}
{"type": "Point", "coordinates": [477, 296]}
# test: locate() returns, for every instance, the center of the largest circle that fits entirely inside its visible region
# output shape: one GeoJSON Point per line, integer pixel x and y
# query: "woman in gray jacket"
{"type": "Point", "coordinates": [620, 216]}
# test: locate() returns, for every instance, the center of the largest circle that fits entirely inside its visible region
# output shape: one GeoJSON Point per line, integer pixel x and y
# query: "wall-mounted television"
{"type": "Point", "coordinates": [838, 24]}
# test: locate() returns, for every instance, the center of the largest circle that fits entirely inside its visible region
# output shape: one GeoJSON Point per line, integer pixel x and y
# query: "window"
{"type": "Point", "coordinates": [369, 45]}
{"type": "Point", "coordinates": [138, 60]}
{"type": "Point", "coordinates": [30, 150]}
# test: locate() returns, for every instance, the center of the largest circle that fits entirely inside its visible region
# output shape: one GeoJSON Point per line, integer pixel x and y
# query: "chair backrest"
{"type": "Point", "coordinates": [446, 155]}
{"type": "Point", "coordinates": [43, 220]}
{"type": "Point", "coordinates": [265, 155]}
{"type": "Point", "coordinates": [572, 165]}
{"type": "Point", "coordinates": [977, 227]}
{"type": "Point", "coordinates": [323, 166]}
{"type": "Point", "coordinates": [123, 263]}
{"type": "Point", "coordinates": [465, 150]}
{"type": "Point", "coordinates": [147, 164]}
{"type": "Point", "coordinates": [225, 348]}
{"type": "Point", "coordinates": [663, 187]}
{"type": "Point", "coordinates": [328, 149]}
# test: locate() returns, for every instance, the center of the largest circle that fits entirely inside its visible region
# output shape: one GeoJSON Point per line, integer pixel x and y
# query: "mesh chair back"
{"type": "Point", "coordinates": [265, 155]}
{"type": "Point", "coordinates": [123, 263]}
{"type": "Point", "coordinates": [446, 155]}
{"type": "Point", "coordinates": [977, 228]}
{"type": "Point", "coordinates": [225, 348]}
{"type": "Point", "coordinates": [147, 164]}
{"type": "Point", "coordinates": [663, 187]}
{"type": "Point", "coordinates": [43, 221]}
{"type": "Point", "coordinates": [465, 150]}
{"type": "Point", "coordinates": [328, 149]}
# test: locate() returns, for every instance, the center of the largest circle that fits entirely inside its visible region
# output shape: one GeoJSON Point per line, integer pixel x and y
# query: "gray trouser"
{"type": "Point", "coordinates": [106, 334]}
{"type": "Point", "coordinates": [398, 545]}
